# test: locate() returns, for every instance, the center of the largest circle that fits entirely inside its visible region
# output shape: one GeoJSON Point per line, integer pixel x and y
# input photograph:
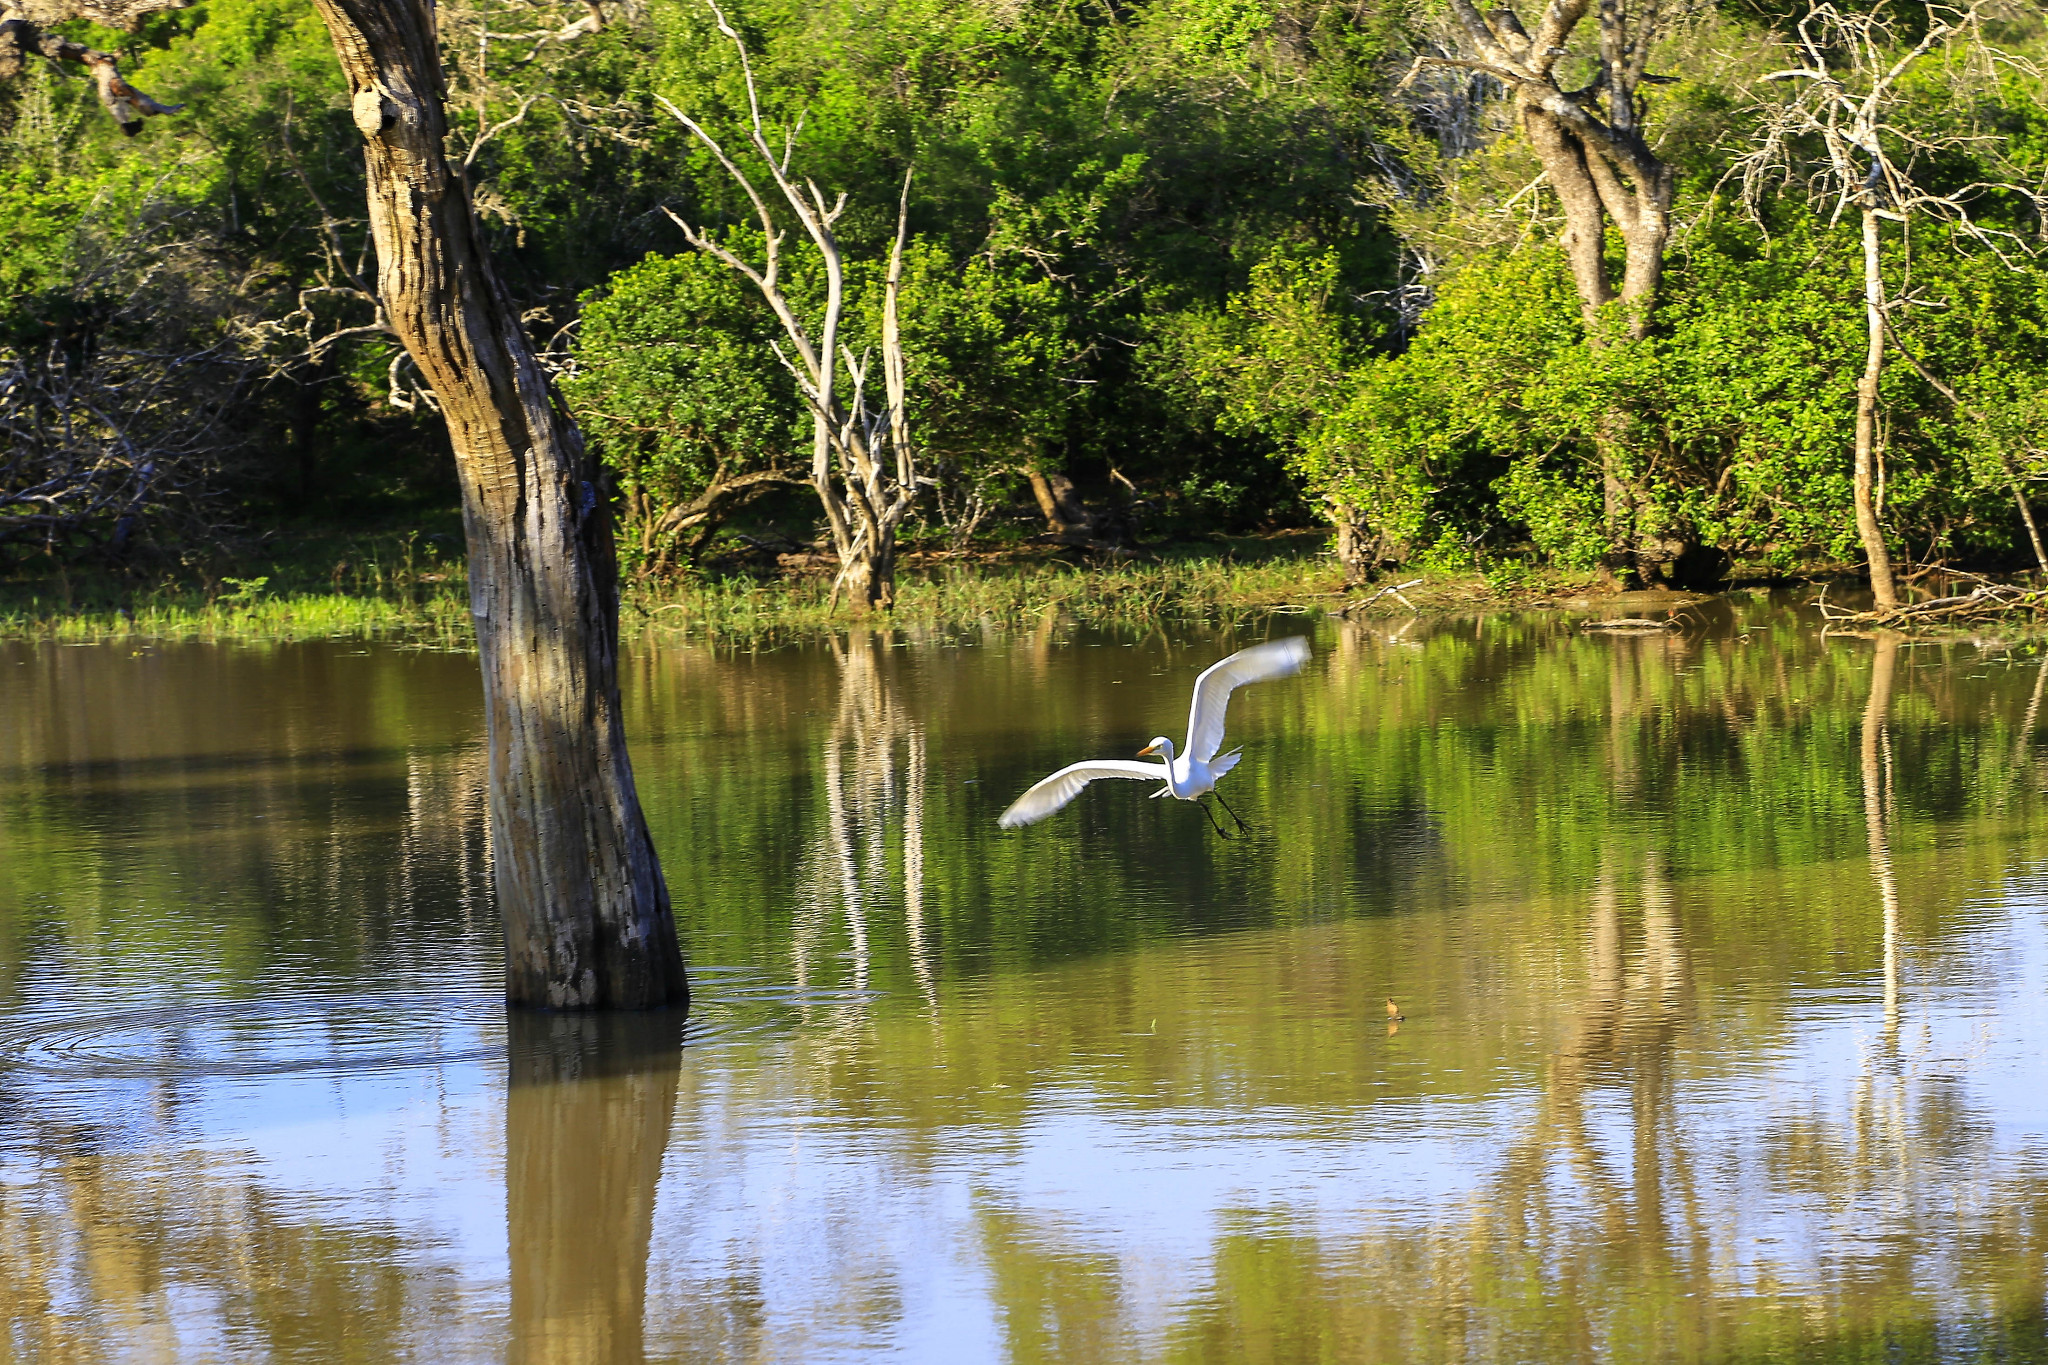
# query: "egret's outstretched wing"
{"type": "Point", "coordinates": [1274, 659]}
{"type": "Point", "coordinates": [1063, 786]}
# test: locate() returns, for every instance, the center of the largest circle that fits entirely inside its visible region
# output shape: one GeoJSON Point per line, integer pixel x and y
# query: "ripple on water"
{"type": "Point", "coordinates": [280, 1035]}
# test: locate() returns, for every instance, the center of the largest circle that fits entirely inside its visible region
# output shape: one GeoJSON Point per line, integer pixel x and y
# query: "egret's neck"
{"type": "Point", "coordinates": [1166, 752]}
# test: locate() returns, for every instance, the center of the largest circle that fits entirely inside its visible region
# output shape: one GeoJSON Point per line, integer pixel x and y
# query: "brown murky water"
{"type": "Point", "coordinates": [1722, 955]}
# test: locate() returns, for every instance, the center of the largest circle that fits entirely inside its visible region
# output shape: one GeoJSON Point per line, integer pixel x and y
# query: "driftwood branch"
{"type": "Point", "coordinates": [1394, 591]}
{"type": "Point", "coordinates": [1986, 602]}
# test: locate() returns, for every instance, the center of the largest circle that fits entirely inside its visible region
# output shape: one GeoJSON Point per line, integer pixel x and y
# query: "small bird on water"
{"type": "Point", "coordinates": [1189, 775]}
{"type": "Point", "coordinates": [1394, 1015]}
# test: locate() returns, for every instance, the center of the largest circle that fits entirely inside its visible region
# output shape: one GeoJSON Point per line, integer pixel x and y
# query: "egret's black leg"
{"type": "Point", "coordinates": [1233, 814]}
{"type": "Point", "coordinates": [1213, 824]}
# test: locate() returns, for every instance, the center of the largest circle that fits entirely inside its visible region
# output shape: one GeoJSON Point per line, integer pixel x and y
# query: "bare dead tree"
{"type": "Point", "coordinates": [862, 464]}
{"type": "Point", "coordinates": [104, 446]}
{"type": "Point", "coordinates": [125, 397]}
{"type": "Point", "coordinates": [1845, 97]}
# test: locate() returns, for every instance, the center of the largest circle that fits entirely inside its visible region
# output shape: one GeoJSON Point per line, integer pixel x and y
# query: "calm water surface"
{"type": "Point", "coordinates": [1723, 956]}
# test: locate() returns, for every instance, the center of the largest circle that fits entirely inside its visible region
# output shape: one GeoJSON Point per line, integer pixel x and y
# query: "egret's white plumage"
{"type": "Point", "coordinates": [1187, 775]}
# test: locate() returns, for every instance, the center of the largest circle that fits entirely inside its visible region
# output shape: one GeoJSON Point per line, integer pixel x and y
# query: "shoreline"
{"type": "Point", "coordinates": [414, 598]}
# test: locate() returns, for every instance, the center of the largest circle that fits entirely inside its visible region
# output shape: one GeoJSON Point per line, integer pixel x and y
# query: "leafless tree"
{"type": "Point", "coordinates": [124, 399]}
{"type": "Point", "coordinates": [862, 464]}
{"type": "Point", "coordinates": [103, 446]}
{"type": "Point", "coordinates": [1835, 130]}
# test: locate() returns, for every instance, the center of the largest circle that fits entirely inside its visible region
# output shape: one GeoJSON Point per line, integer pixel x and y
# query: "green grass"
{"type": "Point", "coordinates": [159, 615]}
{"type": "Point", "coordinates": [1191, 587]}
{"type": "Point", "coordinates": [392, 588]}
{"type": "Point", "coordinates": [318, 587]}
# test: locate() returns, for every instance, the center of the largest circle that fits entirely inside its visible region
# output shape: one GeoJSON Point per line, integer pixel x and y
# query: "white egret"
{"type": "Point", "coordinates": [1188, 775]}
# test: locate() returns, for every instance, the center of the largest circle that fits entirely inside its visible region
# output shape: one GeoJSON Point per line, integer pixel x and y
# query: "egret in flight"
{"type": "Point", "coordinates": [1188, 775]}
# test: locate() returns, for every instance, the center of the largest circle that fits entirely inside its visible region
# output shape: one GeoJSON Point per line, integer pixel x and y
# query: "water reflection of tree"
{"type": "Point", "coordinates": [587, 1114]}
{"type": "Point", "coordinates": [1623, 1034]}
{"type": "Point", "coordinates": [873, 770]}
{"type": "Point", "coordinates": [1879, 810]}
{"type": "Point", "coordinates": [117, 1251]}
{"type": "Point", "coordinates": [115, 1254]}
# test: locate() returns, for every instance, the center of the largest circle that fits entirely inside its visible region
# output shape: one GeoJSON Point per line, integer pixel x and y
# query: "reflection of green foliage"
{"type": "Point", "coordinates": [1433, 815]}
{"type": "Point", "coordinates": [1516, 759]}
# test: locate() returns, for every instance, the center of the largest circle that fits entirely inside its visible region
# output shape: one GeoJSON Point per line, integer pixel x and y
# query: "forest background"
{"type": "Point", "coordinates": [1171, 271]}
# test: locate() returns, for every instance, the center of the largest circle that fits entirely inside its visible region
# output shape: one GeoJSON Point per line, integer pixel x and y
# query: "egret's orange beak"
{"type": "Point", "coordinates": [1148, 749]}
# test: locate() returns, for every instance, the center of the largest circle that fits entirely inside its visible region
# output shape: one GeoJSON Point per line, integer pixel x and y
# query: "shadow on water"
{"type": "Point", "coordinates": [589, 1105]}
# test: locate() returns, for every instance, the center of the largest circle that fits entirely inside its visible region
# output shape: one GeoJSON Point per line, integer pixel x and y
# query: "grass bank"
{"type": "Point", "coordinates": [409, 588]}
{"type": "Point", "coordinates": [1190, 586]}
{"type": "Point", "coordinates": [309, 588]}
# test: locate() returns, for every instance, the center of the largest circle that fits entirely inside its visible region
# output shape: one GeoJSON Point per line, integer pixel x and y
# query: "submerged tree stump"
{"type": "Point", "coordinates": [587, 918]}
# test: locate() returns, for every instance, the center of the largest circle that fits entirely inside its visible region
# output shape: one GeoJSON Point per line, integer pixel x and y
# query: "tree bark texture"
{"type": "Point", "coordinates": [586, 914]}
{"type": "Point", "coordinates": [1882, 585]}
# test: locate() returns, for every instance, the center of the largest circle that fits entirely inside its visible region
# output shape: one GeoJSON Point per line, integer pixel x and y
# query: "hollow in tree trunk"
{"type": "Point", "coordinates": [587, 919]}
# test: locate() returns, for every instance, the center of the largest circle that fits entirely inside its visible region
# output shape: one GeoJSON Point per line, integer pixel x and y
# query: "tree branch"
{"type": "Point", "coordinates": [20, 37]}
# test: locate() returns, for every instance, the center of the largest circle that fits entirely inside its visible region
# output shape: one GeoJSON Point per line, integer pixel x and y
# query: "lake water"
{"type": "Point", "coordinates": [1723, 956]}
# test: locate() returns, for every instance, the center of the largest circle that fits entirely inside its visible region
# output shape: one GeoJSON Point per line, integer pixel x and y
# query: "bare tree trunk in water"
{"type": "Point", "coordinates": [587, 920]}
{"type": "Point", "coordinates": [1882, 585]}
{"type": "Point", "coordinates": [587, 1114]}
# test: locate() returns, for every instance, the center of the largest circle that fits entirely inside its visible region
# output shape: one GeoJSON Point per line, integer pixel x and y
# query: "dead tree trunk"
{"type": "Point", "coordinates": [1883, 586]}
{"type": "Point", "coordinates": [587, 919]}
{"type": "Point", "coordinates": [862, 463]}
{"type": "Point", "coordinates": [1850, 80]}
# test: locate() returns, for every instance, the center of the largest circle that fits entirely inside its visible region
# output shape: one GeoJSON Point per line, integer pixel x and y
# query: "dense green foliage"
{"type": "Point", "coordinates": [1217, 254]}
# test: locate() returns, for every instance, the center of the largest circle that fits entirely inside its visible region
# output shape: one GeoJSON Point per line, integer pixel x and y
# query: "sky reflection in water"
{"type": "Point", "coordinates": [1723, 957]}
